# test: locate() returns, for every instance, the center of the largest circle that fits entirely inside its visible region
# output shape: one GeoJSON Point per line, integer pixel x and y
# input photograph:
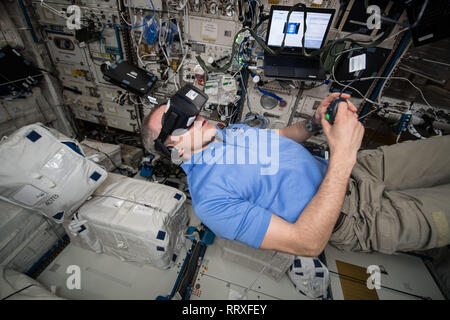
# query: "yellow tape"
{"type": "Point", "coordinates": [78, 73]}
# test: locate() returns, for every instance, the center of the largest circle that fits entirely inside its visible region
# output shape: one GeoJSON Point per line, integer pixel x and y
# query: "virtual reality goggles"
{"type": "Point", "coordinates": [181, 110]}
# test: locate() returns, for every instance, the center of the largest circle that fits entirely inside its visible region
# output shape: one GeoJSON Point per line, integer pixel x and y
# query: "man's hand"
{"type": "Point", "coordinates": [298, 131]}
{"type": "Point", "coordinates": [322, 109]}
{"type": "Point", "coordinates": [345, 135]}
{"type": "Point", "coordinates": [309, 235]}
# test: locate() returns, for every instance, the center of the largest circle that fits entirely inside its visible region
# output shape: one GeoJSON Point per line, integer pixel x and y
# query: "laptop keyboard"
{"type": "Point", "coordinates": [290, 67]}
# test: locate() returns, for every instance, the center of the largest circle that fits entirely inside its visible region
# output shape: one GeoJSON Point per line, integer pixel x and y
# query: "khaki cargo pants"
{"type": "Point", "coordinates": [398, 199]}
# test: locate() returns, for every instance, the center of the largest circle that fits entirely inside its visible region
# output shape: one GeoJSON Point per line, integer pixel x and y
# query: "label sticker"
{"type": "Point", "coordinates": [212, 87]}
{"type": "Point", "coordinates": [209, 31]}
{"type": "Point", "coordinates": [113, 122]}
{"type": "Point", "coordinates": [112, 203]}
{"type": "Point", "coordinates": [192, 95]}
{"type": "Point", "coordinates": [29, 195]}
{"type": "Point", "coordinates": [108, 95]}
{"type": "Point", "coordinates": [111, 109]}
{"type": "Point", "coordinates": [357, 63]}
{"type": "Point", "coordinates": [67, 71]}
{"type": "Point", "coordinates": [228, 84]}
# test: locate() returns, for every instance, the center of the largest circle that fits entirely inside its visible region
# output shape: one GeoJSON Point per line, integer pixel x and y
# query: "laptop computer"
{"type": "Point", "coordinates": [290, 63]}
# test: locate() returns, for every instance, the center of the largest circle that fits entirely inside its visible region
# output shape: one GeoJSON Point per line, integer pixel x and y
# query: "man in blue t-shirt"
{"type": "Point", "coordinates": [263, 188]}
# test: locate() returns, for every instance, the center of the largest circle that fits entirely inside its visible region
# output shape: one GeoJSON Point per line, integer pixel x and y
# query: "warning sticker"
{"type": "Point", "coordinates": [209, 31]}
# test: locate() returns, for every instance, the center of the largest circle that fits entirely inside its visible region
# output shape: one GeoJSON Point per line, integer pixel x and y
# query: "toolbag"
{"type": "Point", "coordinates": [134, 220]}
{"type": "Point", "coordinates": [45, 171]}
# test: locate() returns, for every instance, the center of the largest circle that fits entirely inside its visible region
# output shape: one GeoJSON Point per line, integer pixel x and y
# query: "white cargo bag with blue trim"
{"type": "Point", "coordinates": [134, 220]}
{"type": "Point", "coordinates": [42, 170]}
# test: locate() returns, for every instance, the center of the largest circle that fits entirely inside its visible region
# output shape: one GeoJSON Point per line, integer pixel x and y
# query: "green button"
{"type": "Point", "coordinates": [327, 116]}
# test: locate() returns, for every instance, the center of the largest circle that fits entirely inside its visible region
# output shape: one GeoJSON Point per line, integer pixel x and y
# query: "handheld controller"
{"type": "Point", "coordinates": [330, 115]}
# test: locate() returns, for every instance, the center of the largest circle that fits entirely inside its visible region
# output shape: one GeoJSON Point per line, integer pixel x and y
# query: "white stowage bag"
{"type": "Point", "coordinates": [17, 286]}
{"type": "Point", "coordinates": [310, 277]}
{"type": "Point", "coordinates": [44, 171]}
{"type": "Point", "coordinates": [134, 220]}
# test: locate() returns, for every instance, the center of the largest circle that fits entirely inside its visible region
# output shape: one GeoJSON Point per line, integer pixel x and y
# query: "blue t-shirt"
{"type": "Point", "coordinates": [247, 174]}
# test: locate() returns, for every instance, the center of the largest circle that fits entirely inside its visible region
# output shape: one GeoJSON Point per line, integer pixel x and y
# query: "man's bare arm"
{"type": "Point", "coordinates": [309, 235]}
{"type": "Point", "coordinates": [298, 131]}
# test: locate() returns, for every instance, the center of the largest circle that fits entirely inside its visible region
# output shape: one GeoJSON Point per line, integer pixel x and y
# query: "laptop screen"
{"type": "Point", "coordinates": [317, 27]}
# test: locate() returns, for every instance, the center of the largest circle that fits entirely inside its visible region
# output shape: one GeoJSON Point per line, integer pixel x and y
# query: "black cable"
{"type": "Point", "coordinates": [323, 52]}
{"type": "Point", "coordinates": [127, 200]}
{"type": "Point", "coordinates": [18, 291]}
{"type": "Point", "coordinates": [384, 287]}
{"type": "Point", "coordinates": [19, 80]}
{"type": "Point", "coordinates": [50, 73]}
{"type": "Point", "coordinates": [259, 40]}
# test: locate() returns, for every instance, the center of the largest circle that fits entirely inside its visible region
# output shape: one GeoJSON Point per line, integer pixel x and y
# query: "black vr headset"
{"type": "Point", "coordinates": [181, 111]}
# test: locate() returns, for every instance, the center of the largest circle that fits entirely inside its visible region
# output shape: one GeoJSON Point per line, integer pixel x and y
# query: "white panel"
{"type": "Point", "coordinates": [106, 277]}
{"type": "Point", "coordinates": [144, 4]}
{"type": "Point", "coordinates": [84, 115]}
{"type": "Point", "coordinates": [404, 273]}
{"type": "Point", "coordinates": [116, 110]}
{"type": "Point", "coordinates": [109, 93]}
{"type": "Point", "coordinates": [46, 16]}
{"type": "Point", "coordinates": [210, 30]}
{"type": "Point", "coordinates": [278, 116]}
{"type": "Point", "coordinates": [64, 48]}
{"type": "Point", "coordinates": [101, 4]}
{"type": "Point", "coordinates": [121, 123]}
{"type": "Point", "coordinates": [74, 73]}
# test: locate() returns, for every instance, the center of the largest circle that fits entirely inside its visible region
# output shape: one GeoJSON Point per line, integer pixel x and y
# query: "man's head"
{"type": "Point", "coordinates": [186, 143]}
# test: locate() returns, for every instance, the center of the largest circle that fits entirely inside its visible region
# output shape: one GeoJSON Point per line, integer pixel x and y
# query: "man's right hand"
{"type": "Point", "coordinates": [344, 136]}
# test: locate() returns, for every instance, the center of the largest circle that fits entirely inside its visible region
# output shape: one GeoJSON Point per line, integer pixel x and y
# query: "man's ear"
{"type": "Point", "coordinates": [173, 141]}
{"type": "Point", "coordinates": [176, 156]}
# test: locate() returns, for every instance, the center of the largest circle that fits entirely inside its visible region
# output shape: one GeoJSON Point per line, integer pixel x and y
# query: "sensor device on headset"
{"type": "Point", "coordinates": [181, 111]}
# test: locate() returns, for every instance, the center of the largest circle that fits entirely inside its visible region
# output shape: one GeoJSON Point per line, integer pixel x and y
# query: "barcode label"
{"type": "Point", "coordinates": [192, 95]}
{"type": "Point", "coordinates": [357, 63]}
